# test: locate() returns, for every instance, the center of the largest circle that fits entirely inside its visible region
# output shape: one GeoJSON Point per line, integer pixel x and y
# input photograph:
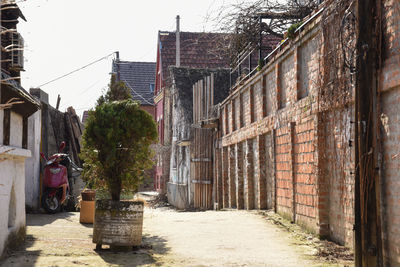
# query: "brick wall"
{"type": "Point", "coordinates": [283, 171]}
{"type": "Point", "coordinates": [249, 182]}
{"type": "Point", "coordinates": [269, 85]}
{"type": "Point", "coordinates": [299, 150]}
{"type": "Point", "coordinates": [232, 176]}
{"type": "Point", "coordinates": [239, 177]}
{"type": "Point", "coordinates": [337, 173]}
{"type": "Point", "coordinates": [304, 168]}
{"type": "Point", "coordinates": [275, 154]}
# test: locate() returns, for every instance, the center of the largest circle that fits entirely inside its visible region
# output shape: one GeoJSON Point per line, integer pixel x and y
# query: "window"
{"type": "Point", "coordinates": [152, 87]}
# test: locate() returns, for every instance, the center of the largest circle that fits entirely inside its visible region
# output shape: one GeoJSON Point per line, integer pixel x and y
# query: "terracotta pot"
{"type": "Point", "coordinates": [118, 223]}
{"type": "Point", "coordinates": [88, 195]}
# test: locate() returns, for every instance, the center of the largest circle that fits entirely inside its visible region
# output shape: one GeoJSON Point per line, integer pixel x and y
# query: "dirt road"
{"type": "Point", "coordinates": [171, 238]}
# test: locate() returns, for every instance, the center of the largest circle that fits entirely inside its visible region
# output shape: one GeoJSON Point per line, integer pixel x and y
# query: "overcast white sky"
{"type": "Point", "coordinates": [62, 35]}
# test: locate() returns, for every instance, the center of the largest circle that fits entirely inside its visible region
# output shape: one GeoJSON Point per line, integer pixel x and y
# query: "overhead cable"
{"type": "Point", "coordinates": [81, 68]}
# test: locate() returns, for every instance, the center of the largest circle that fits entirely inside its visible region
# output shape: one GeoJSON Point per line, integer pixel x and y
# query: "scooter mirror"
{"type": "Point", "coordinates": [62, 146]}
{"type": "Point", "coordinates": [42, 155]}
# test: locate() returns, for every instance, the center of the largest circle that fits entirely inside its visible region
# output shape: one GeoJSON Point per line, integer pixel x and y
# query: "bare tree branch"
{"type": "Point", "coordinates": [10, 103]}
{"type": "Point", "coordinates": [247, 20]}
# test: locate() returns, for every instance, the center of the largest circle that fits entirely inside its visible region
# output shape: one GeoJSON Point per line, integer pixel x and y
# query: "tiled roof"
{"type": "Point", "coordinates": [202, 50]}
{"type": "Point", "coordinates": [85, 116]}
{"type": "Point", "coordinates": [198, 50]}
{"type": "Point", "coordinates": [138, 76]}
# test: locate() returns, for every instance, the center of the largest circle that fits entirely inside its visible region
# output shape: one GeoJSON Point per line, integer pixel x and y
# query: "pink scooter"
{"type": "Point", "coordinates": [56, 185]}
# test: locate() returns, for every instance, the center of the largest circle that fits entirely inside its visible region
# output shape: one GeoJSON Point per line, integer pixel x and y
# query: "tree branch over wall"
{"type": "Point", "coordinates": [243, 20]}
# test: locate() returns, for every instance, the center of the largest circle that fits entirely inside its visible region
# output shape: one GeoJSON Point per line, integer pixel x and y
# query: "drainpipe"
{"type": "Point", "coordinates": [178, 43]}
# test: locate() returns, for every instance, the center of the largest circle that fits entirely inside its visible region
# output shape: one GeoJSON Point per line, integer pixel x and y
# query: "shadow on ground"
{"type": "Point", "coordinates": [13, 254]}
{"type": "Point", "coordinates": [41, 219]}
{"type": "Point", "coordinates": [152, 248]}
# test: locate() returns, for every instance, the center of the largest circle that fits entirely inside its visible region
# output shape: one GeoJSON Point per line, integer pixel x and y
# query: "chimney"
{"type": "Point", "coordinates": [178, 43]}
{"type": "Point", "coordinates": [117, 65]}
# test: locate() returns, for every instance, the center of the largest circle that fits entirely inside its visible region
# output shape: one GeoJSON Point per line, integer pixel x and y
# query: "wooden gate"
{"type": "Point", "coordinates": [203, 140]}
{"type": "Point", "coordinates": [202, 168]}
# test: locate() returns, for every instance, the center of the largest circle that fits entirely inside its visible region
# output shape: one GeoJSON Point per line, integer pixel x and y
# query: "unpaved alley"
{"type": "Point", "coordinates": [171, 238]}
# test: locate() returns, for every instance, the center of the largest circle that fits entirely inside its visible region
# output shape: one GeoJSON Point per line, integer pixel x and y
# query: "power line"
{"type": "Point", "coordinates": [69, 100]}
{"type": "Point", "coordinates": [81, 68]}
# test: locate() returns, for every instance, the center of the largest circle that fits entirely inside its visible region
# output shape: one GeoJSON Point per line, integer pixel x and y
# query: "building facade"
{"type": "Point", "coordinates": [181, 188]}
{"type": "Point", "coordinates": [196, 50]}
{"type": "Point", "coordinates": [16, 106]}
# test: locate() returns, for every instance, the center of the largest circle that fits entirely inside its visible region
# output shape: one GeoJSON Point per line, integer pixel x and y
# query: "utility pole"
{"type": "Point", "coordinates": [368, 238]}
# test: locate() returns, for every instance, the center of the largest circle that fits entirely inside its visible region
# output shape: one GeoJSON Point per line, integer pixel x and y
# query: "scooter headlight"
{"type": "Point", "coordinates": [55, 170]}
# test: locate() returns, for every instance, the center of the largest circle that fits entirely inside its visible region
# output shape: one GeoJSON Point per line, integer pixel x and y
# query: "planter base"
{"type": "Point", "coordinates": [118, 223]}
{"type": "Point", "coordinates": [86, 214]}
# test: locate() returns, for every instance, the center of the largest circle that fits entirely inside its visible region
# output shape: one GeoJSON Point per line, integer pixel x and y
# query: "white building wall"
{"type": "Point", "coordinates": [15, 129]}
{"type": "Point", "coordinates": [12, 193]}
{"type": "Point", "coordinates": [12, 184]}
{"type": "Point", "coordinates": [32, 164]}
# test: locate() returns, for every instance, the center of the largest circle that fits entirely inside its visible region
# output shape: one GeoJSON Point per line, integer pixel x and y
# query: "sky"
{"type": "Point", "coordinates": [63, 35]}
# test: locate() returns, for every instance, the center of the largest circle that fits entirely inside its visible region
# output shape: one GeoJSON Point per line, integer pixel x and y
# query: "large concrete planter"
{"type": "Point", "coordinates": [118, 223]}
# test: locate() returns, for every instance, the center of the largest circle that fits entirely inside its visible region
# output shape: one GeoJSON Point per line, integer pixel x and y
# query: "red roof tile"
{"type": "Point", "coordinates": [198, 50]}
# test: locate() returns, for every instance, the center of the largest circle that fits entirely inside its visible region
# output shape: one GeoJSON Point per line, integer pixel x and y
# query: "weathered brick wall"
{"type": "Point", "coordinates": [283, 171]}
{"type": "Point", "coordinates": [287, 81]}
{"type": "Point", "coordinates": [269, 85]}
{"type": "Point", "coordinates": [246, 107]}
{"type": "Point", "coordinates": [304, 154]}
{"type": "Point", "coordinates": [237, 111]}
{"type": "Point", "coordinates": [278, 149]}
{"type": "Point", "coordinates": [337, 172]}
{"type": "Point", "coordinates": [258, 100]}
{"type": "Point", "coordinates": [390, 129]}
{"type": "Point", "coordinates": [232, 156]}
{"type": "Point", "coordinates": [225, 178]}
{"type": "Point", "coordinates": [249, 182]}
{"type": "Point", "coordinates": [307, 65]}
{"type": "Point", "coordinates": [239, 175]}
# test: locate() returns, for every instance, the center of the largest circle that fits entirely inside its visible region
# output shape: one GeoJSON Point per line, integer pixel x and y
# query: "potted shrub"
{"type": "Point", "coordinates": [116, 151]}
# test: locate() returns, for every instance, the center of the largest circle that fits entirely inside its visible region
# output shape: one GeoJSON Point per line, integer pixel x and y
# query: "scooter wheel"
{"type": "Point", "coordinates": [50, 203]}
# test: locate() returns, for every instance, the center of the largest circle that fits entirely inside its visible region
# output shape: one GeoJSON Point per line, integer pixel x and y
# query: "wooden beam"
{"type": "Point", "coordinates": [6, 127]}
{"type": "Point", "coordinates": [368, 239]}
